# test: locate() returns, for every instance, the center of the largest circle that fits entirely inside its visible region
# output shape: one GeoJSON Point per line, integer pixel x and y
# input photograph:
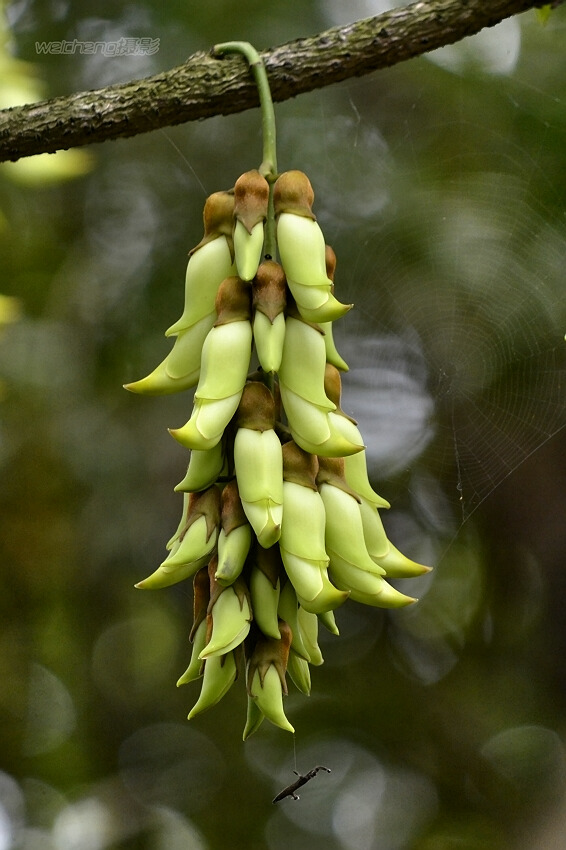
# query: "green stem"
{"type": "Point", "coordinates": [270, 233]}
{"type": "Point", "coordinates": [268, 167]}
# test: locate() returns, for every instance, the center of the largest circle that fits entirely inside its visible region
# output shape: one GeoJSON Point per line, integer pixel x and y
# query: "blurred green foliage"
{"type": "Point", "coordinates": [441, 185]}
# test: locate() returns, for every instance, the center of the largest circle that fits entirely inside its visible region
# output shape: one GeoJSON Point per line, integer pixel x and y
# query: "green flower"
{"type": "Point", "coordinates": [258, 462]}
{"type": "Point", "coordinates": [193, 545]}
{"type": "Point", "coordinates": [210, 262]}
{"type": "Point", "coordinates": [266, 678]}
{"type": "Point", "coordinates": [302, 249]}
{"type": "Point", "coordinates": [235, 537]}
{"type": "Point", "coordinates": [230, 614]}
{"type": "Point", "coordinates": [269, 301]}
{"type": "Point", "coordinates": [251, 198]}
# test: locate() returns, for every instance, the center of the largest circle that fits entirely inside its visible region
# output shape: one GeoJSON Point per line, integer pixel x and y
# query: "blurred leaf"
{"type": "Point", "coordinates": [10, 309]}
{"type": "Point", "coordinates": [543, 14]}
{"type": "Point", "coordinates": [47, 169]}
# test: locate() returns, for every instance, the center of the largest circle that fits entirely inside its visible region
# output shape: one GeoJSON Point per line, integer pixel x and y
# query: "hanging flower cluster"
{"type": "Point", "coordinates": [280, 524]}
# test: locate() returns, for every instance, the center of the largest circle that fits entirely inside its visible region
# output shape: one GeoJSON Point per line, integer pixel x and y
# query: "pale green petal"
{"type": "Point", "coordinates": [219, 676]}
{"type": "Point", "coordinates": [206, 270]}
{"type": "Point", "coordinates": [304, 520]}
{"type": "Point", "coordinates": [225, 360]}
{"type": "Point", "coordinates": [269, 698]}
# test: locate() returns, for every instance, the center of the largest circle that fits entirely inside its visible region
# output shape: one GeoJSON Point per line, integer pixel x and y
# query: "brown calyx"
{"type": "Point", "coordinates": [269, 562]}
{"type": "Point", "coordinates": [257, 407]}
{"type": "Point", "coordinates": [205, 503]}
{"type": "Point", "coordinates": [232, 514]}
{"type": "Point", "coordinates": [293, 193]}
{"type": "Point", "coordinates": [269, 290]}
{"type": "Point", "coordinates": [233, 301]}
{"type": "Point", "coordinates": [268, 651]}
{"type": "Point", "coordinates": [330, 259]}
{"type": "Point", "coordinates": [218, 218]}
{"type": "Point", "coordinates": [251, 199]}
{"type": "Point", "coordinates": [331, 471]}
{"type": "Point", "coordinates": [299, 467]}
{"type": "Point", "coordinates": [201, 596]}
{"type": "Point", "coordinates": [333, 389]}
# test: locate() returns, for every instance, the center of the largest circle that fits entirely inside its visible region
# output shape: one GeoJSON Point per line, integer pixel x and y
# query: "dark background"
{"type": "Point", "coordinates": [440, 184]}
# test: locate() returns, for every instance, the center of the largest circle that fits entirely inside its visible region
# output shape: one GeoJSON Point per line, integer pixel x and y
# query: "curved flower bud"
{"type": "Point", "coordinates": [314, 428]}
{"type": "Point", "coordinates": [344, 534]}
{"type": "Point", "coordinates": [181, 368]}
{"type": "Point", "coordinates": [305, 418]}
{"type": "Point", "coordinates": [332, 354]}
{"type": "Point", "coordinates": [209, 262]}
{"type": "Point", "coordinates": [230, 614]}
{"type": "Point", "coordinates": [355, 465]}
{"type": "Point", "coordinates": [248, 248]}
{"type": "Point", "coordinates": [329, 310]}
{"type": "Point", "coordinates": [366, 587]}
{"type": "Point", "coordinates": [265, 599]}
{"type": "Point", "coordinates": [328, 621]}
{"type": "Point", "coordinates": [258, 463]}
{"type": "Point", "coordinates": [299, 237]}
{"type": "Point", "coordinates": [184, 561]}
{"type": "Point", "coordinates": [220, 673]}
{"type": "Point", "coordinates": [304, 518]}
{"type": "Point", "coordinates": [302, 536]}
{"type": "Point", "coordinates": [298, 670]}
{"type": "Point", "coordinates": [380, 548]}
{"type": "Point", "coordinates": [265, 589]}
{"type": "Point", "coordinates": [308, 297]}
{"type": "Point", "coordinates": [251, 197]}
{"type": "Point", "coordinates": [269, 301]}
{"type": "Point", "coordinates": [376, 539]}
{"type": "Point", "coordinates": [269, 338]}
{"type": "Point", "coordinates": [254, 718]}
{"type": "Point", "coordinates": [208, 421]}
{"type": "Point", "coordinates": [182, 522]}
{"type": "Point", "coordinates": [225, 360]}
{"type": "Point", "coordinates": [309, 630]}
{"type": "Point", "coordinates": [195, 544]}
{"type": "Point", "coordinates": [203, 470]}
{"type": "Point", "coordinates": [226, 351]}
{"type": "Point", "coordinates": [232, 553]}
{"type": "Point", "coordinates": [397, 565]}
{"type": "Point", "coordinates": [266, 676]}
{"type": "Point", "coordinates": [196, 666]}
{"type": "Point", "coordinates": [235, 537]}
{"type": "Point", "coordinates": [288, 610]}
{"type": "Point", "coordinates": [304, 345]}
{"type": "Point", "coordinates": [302, 248]}
{"type": "Point", "coordinates": [315, 591]}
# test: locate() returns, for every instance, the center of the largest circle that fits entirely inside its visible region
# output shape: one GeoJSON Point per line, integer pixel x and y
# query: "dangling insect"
{"type": "Point", "coordinates": [289, 791]}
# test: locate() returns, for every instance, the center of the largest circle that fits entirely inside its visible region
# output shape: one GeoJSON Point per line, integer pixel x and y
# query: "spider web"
{"type": "Point", "coordinates": [481, 335]}
{"type": "Point", "coordinates": [457, 341]}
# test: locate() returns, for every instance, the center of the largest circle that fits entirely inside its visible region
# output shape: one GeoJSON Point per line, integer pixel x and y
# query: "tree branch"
{"type": "Point", "coordinates": [205, 86]}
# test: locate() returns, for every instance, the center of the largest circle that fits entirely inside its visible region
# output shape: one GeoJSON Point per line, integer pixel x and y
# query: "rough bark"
{"type": "Point", "coordinates": [205, 85]}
